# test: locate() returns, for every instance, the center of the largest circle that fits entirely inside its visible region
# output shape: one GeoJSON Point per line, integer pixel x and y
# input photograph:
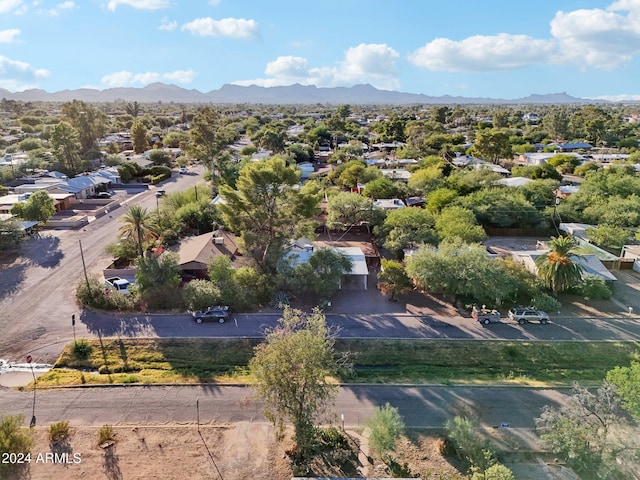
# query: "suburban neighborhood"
{"type": "Point", "coordinates": [378, 232]}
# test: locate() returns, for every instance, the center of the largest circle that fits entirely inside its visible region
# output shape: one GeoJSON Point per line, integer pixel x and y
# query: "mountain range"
{"type": "Point", "coordinates": [287, 95]}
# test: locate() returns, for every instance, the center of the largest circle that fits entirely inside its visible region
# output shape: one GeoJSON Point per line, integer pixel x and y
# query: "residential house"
{"type": "Point", "coordinates": [514, 182]}
{"type": "Point", "coordinates": [389, 204]}
{"type": "Point", "coordinates": [571, 146]}
{"type": "Point", "coordinates": [399, 174]}
{"type": "Point", "coordinates": [195, 253]}
{"type": "Point", "coordinates": [590, 263]}
{"type": "Point", "coordinates": [355, 279]}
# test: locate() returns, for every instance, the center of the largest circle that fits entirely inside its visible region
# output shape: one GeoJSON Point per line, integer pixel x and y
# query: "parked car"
{"type": "Point", "coordinates": [104, 195]}
{"type": "Point", "coordinates": [218, 313]}
{"type": "Point", "coordinates": [524, 315]}
{"type": "Point", "coordinates": [182, 170]}
{"type": "Point", "coordinates": [485, 315]}
{"type": "Point", "coordinates": [118, 284]}
{"type": "Point", "coordinates": [161, 193]}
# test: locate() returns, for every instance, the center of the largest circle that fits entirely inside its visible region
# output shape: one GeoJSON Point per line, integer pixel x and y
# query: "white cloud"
{"type": "Point", "coordinates": [167, 26]}
{"type": "Point", "coordinates": [483, 53]}
{"type": "Point", "coordinates": [127, 79]}
{"type": "Point", "coordinates": [365, 63]}
{"type": "Point", "coordinates": [215, 3]}
{"type": "Point", "coordinates": [597, 38]}
{"type": "Point", "coordinates": [141, 4]}
{"type": "Point", "coordinates": [227, 27]}
{"type": "Point", "coordinates": [619, 98]}
{"type": "Point", "coordinates": [54, 12]}
{"type": "Point", "coordinates": [8, 36]}
{"type": "Point", "coordinates": [16, 75]}
{"type": "Point", "coordinates": [7, 6]}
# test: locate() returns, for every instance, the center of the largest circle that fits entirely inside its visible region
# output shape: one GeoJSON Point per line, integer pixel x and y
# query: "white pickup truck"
{"type": "Point", "coordinates": [118, 284]}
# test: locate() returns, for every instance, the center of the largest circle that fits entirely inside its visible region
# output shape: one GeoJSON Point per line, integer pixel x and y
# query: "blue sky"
{"type": "Point", "coordinates": [494, 48]}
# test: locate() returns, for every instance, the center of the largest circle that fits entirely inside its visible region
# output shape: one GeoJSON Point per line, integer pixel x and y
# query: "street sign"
{"type": "Point", "coordinates": [73, 319]}
{"type": "Point", "coordinates": [29, 358]}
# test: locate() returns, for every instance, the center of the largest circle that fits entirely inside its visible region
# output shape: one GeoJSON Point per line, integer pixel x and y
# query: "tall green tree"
{"type": "Point", "coordinates": [582, 432]}
{"type": "Point", "coordinates": [626, 381]}
{"type": "Point", "coordinates": [10, 234]}
{"type": "Point", "coordinates": [393, 278]}
{"type": "Point", "coordinates": [271, 137]}
{"type": "Point", "coordinates": [39, 207]}
{"type": "Point", "coordinates": [209, 137]}
{"type": "Point", "coordinates": [66, 146]}
{"type": "Point", "coordinates": [138, 227]}
{"type": "Point", "coordinates": [90, 122]}
{"type": "Point", "coordinates": [492, 145]}
{"type": "Point", "coordinates": [345, 210]}
{"type": "Point", "coordinates": [139, 137]}
{"type": "Point", "coordinates": [292, 368]}
{"type": "Point", "coordinates": [407, 228]}
{"type": "Point", "coordinates": [461, 270]}
{"type": "Point", "coordinates": [321, 274]}
{"type": "Point", "coordinates": [268, 211]}
{"type": "Point", "coordinates": [557, 267]}
{"type": "Point", "coordinates": [158, 279]}
{"type": "Point", "coordinates": [133, 109]}
{"type": "Point", "coordinates": [461, 223]}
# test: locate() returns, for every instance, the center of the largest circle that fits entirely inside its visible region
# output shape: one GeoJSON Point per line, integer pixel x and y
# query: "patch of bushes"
{"type": "Point", "coordinates": [59, 432]}
{"type": "Point", "coordinates": [594, 288]}
{"type": "Point", "coordinates": [81, 348]}
{"type": "Point", "coordinates": [95, 295]}
{"type": "Point", "coordinates": [105, 434]}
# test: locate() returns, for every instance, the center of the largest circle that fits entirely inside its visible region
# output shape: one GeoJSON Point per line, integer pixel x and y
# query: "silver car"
{"type": "Point", "coordinates": [524, 315]}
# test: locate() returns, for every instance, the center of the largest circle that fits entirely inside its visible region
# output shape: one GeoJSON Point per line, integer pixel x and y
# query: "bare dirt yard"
{"type": "Point", "coordinates": [230, 452]}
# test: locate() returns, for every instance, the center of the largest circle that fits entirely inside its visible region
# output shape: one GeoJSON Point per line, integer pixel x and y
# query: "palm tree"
{"type": "Point", "coordinates": [556, 268]}
{"type": "Point", "coordinates": [138, 227]}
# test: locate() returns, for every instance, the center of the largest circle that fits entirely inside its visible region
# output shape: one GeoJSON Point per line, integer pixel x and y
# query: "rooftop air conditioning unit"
{"type": "Point", "coordinates": [218, 240]}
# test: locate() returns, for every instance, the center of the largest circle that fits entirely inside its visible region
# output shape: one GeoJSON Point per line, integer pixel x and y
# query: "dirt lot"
{"type": "Point", "coordinates": [234, 451]}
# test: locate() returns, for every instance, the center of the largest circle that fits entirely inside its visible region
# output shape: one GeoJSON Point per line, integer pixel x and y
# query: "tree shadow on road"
{"type": "Point", "coordinates": [12, 274]}
{"type": "Point", "coordinates": [45, 252]}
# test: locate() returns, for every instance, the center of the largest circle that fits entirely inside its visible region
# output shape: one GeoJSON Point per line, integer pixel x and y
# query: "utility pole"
{"type": "Point", "coordinates": [84, 266]}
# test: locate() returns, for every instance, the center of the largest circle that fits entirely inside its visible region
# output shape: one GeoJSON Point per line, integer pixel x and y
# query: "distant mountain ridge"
{"type": "Point", "coordinates": [292, 94]}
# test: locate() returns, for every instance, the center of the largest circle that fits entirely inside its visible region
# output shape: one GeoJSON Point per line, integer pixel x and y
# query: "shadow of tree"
{"type": "Point", "coordinates": [46, 252]}
{"type": "Point", "coordinates": [111, 464]}
{"type": "Point", "coordinates": [12, 274]}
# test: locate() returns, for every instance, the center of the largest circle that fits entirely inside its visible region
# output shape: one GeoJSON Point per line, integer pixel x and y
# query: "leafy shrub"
{"type": "Point", "coordinates": [386, 426]}
{"type": "Point", "coordinates": [494, 472]}
{"type": "Point", "coordinates": [95, 295]}
{"type": "Point", "coordinates": [59, 432]}
{"type": "Point", "coordinates": [398, 470]}
{"type": "Point", "coordinates": [545, 302]}
{"type": "Point", "coordinates": [105, 434]}
{"type": "Point", "coordinates": [594, 288]}
{"type": "Point", "coordinates": [333, 439]}
{"type": "Point", "coordinates": [468, 444]}
{"type": "Point", "coordinates": [81, 348]}
{"type": "Point", "coordinates": [280, 301]}
{"type": "Point", "coordinates": [199, 294]}
{"type": "Point", "coordinates": [13, 439]}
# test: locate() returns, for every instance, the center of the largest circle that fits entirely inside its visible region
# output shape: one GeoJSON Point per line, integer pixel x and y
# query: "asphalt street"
{"type": "Point", "coordinates": [367, 326]}
{"type": "Point", "coordinates": [420, 406]}
{"type": "Point", "coordinates": [37, 288]}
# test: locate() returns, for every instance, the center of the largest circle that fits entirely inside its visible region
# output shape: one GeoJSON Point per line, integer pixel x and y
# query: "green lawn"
{"type": "Point", "coordinates": [374, 361]}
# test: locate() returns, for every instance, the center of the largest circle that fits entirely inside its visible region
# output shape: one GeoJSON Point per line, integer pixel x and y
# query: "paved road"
{"type": "Point", "coordinates": [367, 326]}
{"type": "Point", "coordinates": [36, 291]}
{"type": "Point", "coordinates": [427, 406]}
